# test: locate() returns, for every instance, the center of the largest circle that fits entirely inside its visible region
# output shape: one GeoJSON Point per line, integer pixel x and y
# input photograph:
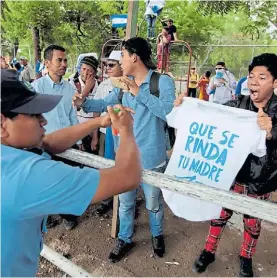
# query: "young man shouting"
{"type": "Point", "coordinates": [257, 177]}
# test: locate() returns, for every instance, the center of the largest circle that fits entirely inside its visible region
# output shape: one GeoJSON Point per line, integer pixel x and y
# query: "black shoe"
{"type": "Point", "coordinates": [203, 261]}
{"type": "Point", "coordinates": [246, 267]}
{"type": "Point", "coordinates": [69, 225]}
{"type": "Point", "coordinates": [51, 222]}
{"type": "Point", "coordinates": [122, 249]}
{"type": "Point", "coordinates": [158, 245]}
{"type": "Point", "coordinates": [103, 209]}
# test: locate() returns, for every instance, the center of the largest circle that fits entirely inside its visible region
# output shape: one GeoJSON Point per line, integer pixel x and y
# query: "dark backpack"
{"type": "Point", "coordinates": [155, 91]}
{"type": "Point", "coordinates": [154, 86]}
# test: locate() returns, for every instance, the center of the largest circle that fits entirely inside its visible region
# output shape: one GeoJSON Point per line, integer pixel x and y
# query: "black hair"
{"type": "Point", "coordinates": [268, 60]}
{"type": "Point", "coordinates": [48, 52]}
{"type": "Point", "coordinates": [170, 20]}
{"type": "Point", "coordinates": [17, 66]}
{"type": "Point", "coordinates": [208, 73]}
{"type": "Point", "coordinates": [166, 28]}
{"type": "Point", "coordinates": [220, 64]}
{"type": "Point", "coordinates": [9, 114]}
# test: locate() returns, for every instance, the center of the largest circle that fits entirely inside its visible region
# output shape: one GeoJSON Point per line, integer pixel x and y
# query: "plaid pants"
{"type": "Point", "coordinates": [252, 226]}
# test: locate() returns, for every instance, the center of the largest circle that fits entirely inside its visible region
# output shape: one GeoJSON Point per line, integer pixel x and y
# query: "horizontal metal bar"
{"type": "Point", "coordinates": [241, 203]}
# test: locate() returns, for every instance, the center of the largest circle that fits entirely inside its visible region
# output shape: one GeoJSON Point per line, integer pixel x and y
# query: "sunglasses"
{"type": "Point", "coordinates": [219, 68]}
{"type": "Point", "coordinates": [111, 65]}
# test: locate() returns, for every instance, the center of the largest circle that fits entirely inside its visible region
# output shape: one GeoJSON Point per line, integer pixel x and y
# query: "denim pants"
{"type": "Point", "coordinates": [154, 205]}
{"type": "Point", "coordinates": [151, 21]}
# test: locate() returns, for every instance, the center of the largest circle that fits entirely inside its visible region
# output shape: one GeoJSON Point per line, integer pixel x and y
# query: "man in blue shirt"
{"type": "Point", "coordinates": [63, 115]}
{"type": "Point", "coordinates": [33, 186]}
{"type": "Point", "coordinates": [149, 129]}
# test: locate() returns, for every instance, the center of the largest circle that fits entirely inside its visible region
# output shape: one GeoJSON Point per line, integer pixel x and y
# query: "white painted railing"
{"type": "Point", "coordinates": [240, 203]}
{"type": "Point", "coordinates": [63, 263]}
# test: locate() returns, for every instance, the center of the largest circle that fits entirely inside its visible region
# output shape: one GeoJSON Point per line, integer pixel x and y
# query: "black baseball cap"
{"type": "Point", "coordinates": [142, 48]}
{"type": "Point", "coordinates": [19, 97]}
{"type": "Point", "coordinates": [90, 61]}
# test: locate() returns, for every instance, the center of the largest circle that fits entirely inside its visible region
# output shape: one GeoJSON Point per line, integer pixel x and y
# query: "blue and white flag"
{"type": "Point", "coordinates": [39, 67]}
{"type": "Point", "coordinates": [119, 20]}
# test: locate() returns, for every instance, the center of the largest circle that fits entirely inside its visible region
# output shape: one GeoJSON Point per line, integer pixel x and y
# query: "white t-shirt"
{"type": "Point", "coordinates": [152, 6]}
{"type": "Point", "coordinates": [213, 142]}
{"type": "Point", "coordinates": [102, 91]}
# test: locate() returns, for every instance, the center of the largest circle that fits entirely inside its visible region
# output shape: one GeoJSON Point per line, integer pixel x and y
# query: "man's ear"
{"type": "Point", "coordinates": [46, 63]}
{"type": "Point", "coordinates": [135, 57]}
{"type": "Point", "coordinates": [4, 132]}
{"type": "Point", "coordinates": [275, 84]}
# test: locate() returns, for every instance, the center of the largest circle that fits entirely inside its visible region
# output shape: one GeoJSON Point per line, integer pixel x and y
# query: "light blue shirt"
{"type": "Point", "coordinates": [149, 118]}
{"type": "Point", "coordinates": [63, 115]}
{"type": "Point", "coordinates": [33, 187]}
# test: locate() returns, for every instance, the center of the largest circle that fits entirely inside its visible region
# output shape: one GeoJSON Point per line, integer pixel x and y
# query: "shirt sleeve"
{"type": "Point", "coordinates": [100, 105]}
{"type": "Point", "coordinates": [73, 114]}
{"type": "Point", "coordinates": [163, 105]}
{"type": "Point", "coordinates": [209, 89]}
{"type": "Point", "coordinates": [52, 187]}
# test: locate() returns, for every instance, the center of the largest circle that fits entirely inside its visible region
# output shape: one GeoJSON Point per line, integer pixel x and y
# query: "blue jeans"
{"type": "Point", "coordinates": [154, 205]}
{"type": "Point", "coordinates": [151, 21]}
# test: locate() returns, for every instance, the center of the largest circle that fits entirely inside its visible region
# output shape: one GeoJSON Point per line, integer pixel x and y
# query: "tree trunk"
{"type": "Point", "coordinates": [15, 47]}
{"type": "Point", "coordinates": [37, 48]}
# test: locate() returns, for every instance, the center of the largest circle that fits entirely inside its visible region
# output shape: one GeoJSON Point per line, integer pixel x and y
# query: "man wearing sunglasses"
{"type": "Point", "coordinates": [107, 147]}
{"type": "Point", "coordinates": [222, 86]}
{"type": "Point", "coordinates": [33, 186]}
{"type": "Point", "coordinates": [149, 128]}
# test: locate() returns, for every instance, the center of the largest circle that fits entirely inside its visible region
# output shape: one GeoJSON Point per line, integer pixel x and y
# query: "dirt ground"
{"type": "Point", "coordinates": [89, 244]}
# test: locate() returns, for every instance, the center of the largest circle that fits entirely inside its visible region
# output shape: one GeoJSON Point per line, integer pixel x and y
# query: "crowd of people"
{"type": "Point", "coordinates": [78, 113]}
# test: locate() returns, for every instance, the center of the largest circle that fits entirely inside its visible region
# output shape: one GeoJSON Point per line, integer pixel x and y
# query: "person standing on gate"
{"type": "Point", "coordinates": [163, 41]}
{"type": "Point", "coordinates": [153, 9]}
{"type": "Point", "coordinates": [150, 109]}
{"type": "Point", "coordinates": [193, 80]}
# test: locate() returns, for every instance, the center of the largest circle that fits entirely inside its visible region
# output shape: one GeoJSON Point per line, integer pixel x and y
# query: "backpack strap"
{"type": "Point", "coordinates": [154, 84]}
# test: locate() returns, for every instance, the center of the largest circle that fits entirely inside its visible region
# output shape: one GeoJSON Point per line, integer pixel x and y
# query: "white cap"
{"type": "Point", "coordinates": [115, 55]}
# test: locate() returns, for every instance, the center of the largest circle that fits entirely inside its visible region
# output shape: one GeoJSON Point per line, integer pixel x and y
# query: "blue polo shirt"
{"type": "Point", "coordinates": [34, 186]}
{"type": "Point", "coordinates": [149, 118]}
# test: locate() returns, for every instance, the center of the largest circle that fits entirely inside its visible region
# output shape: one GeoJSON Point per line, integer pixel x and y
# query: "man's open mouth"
{"type": "Point", "coordinates": [254, 92]}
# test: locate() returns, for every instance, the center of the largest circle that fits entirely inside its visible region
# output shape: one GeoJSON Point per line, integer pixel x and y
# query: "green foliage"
{"type": "Point", "coordinates": [83, 26]}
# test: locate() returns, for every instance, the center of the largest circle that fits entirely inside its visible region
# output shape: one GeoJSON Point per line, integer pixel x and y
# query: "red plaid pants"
{"type": "Point", "coordinates": [252, 226]}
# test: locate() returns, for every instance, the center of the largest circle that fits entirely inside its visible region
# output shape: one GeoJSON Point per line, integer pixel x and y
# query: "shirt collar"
{"type": "Point", "coordinates": [51, 82]}
{"type": "Point", "coordinates": [147, 78]}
